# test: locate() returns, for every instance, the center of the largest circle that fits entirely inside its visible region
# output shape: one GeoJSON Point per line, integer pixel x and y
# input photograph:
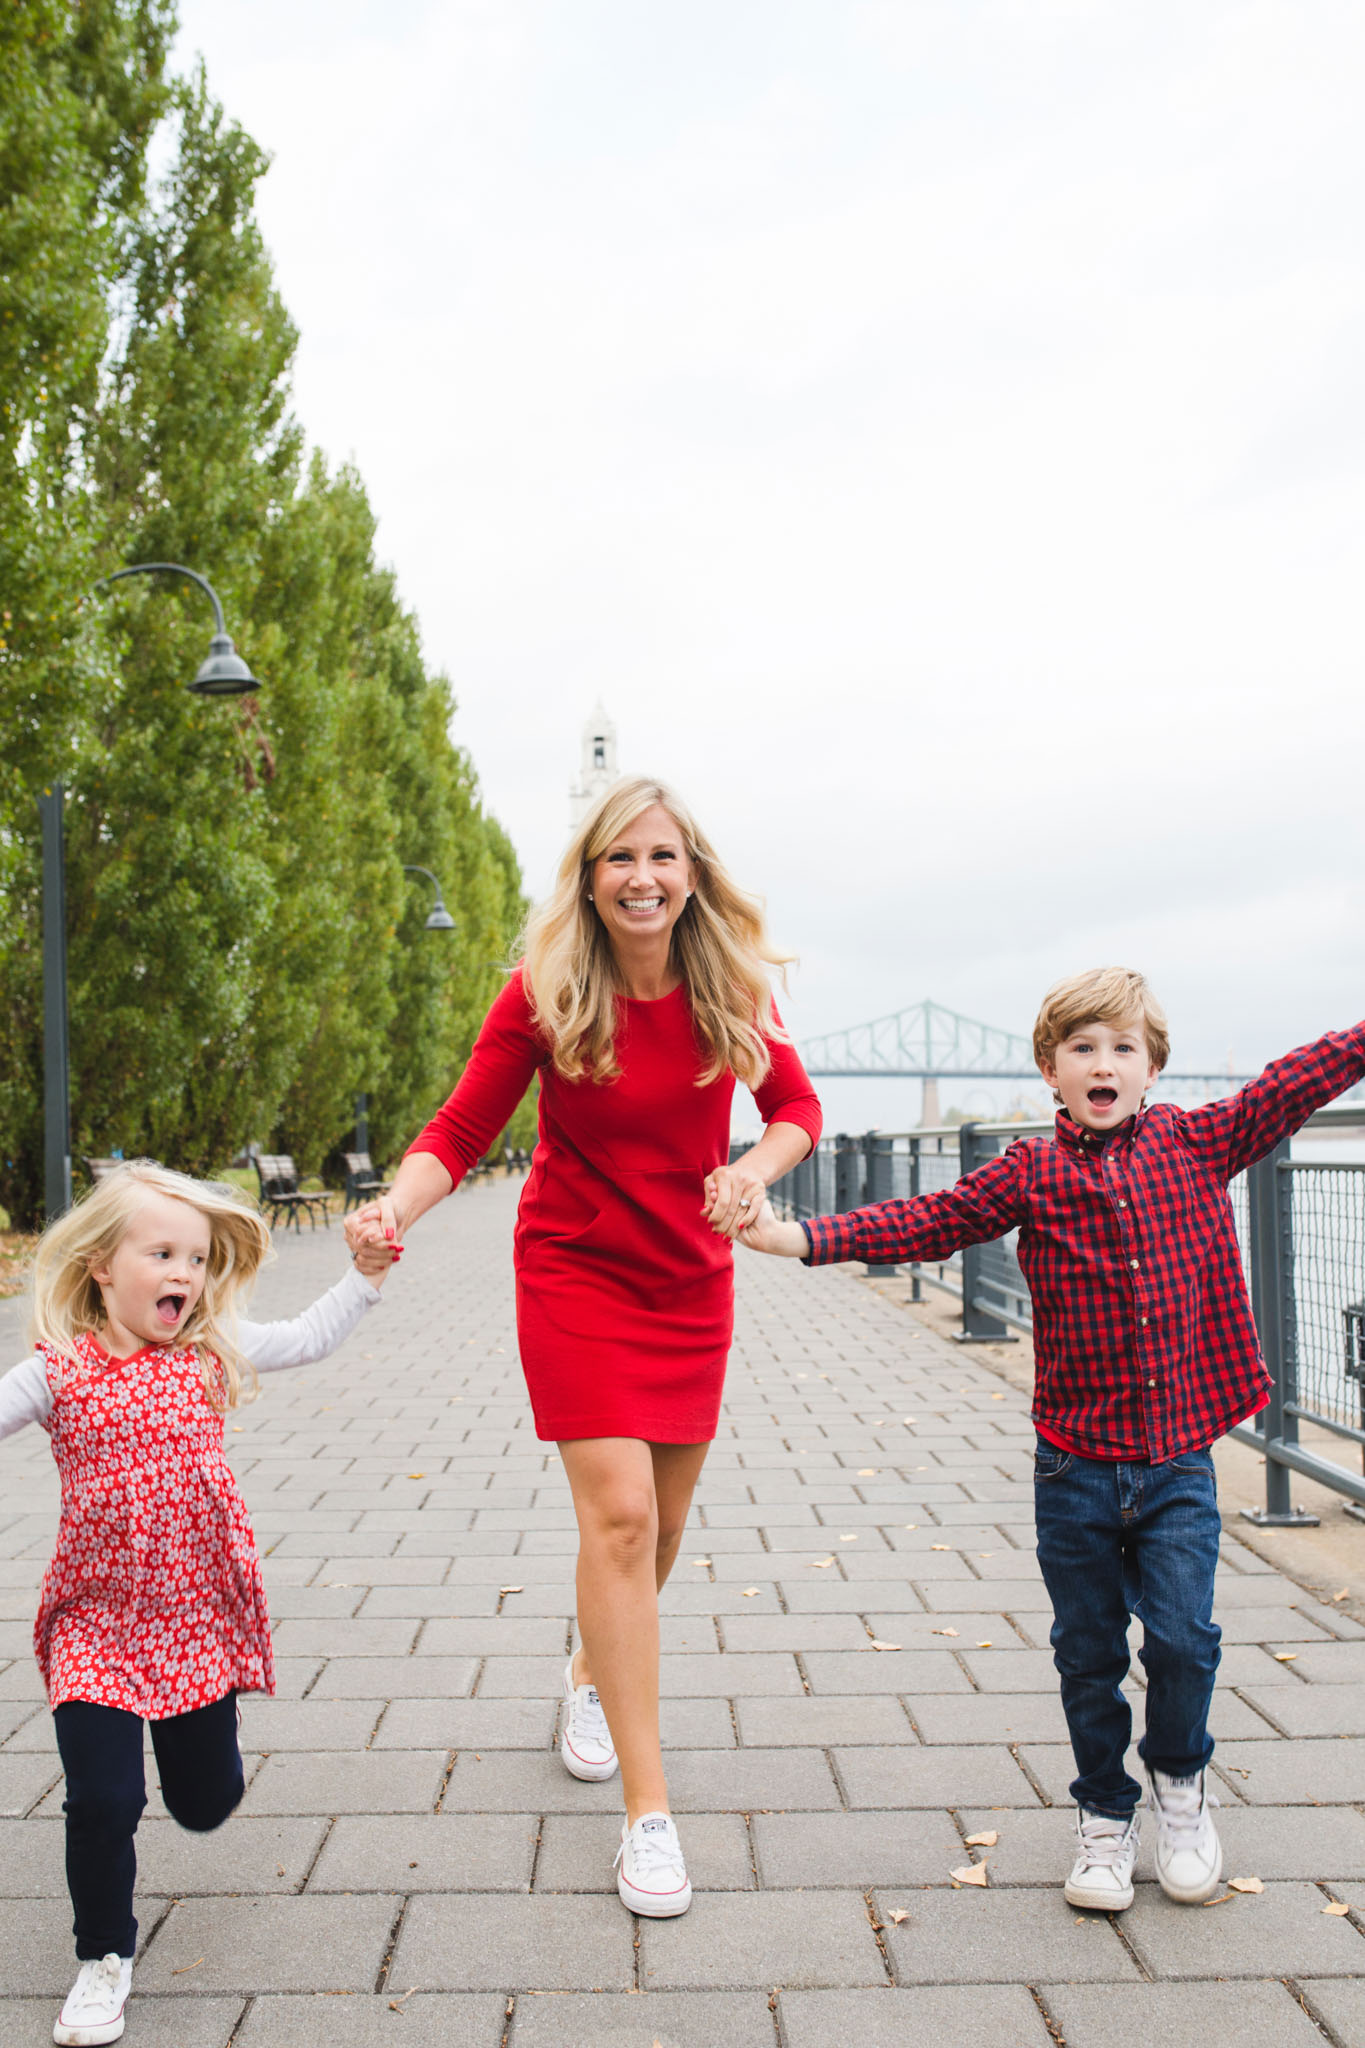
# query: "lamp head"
{"type": "Point", "coordinates": [224, 674]}
{"type": "Point", "coordinates": [440, 919]}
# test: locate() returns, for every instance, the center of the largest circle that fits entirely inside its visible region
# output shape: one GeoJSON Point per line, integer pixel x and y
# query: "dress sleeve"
{"type": "Point", "coordinates": [303, 1339]}
{"type": "Point", "coordinates": [785, 1096]}
{"type": "Point", "coordinates": [506, 1054]}
{"type": "Point", "coordinates": [25, 1395]}
{"type": "Point", "coordinates": [1247, 1125]}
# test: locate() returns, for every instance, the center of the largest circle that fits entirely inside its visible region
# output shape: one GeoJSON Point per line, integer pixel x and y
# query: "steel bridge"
{"type": "Point", "coordinates": [930, 1043]}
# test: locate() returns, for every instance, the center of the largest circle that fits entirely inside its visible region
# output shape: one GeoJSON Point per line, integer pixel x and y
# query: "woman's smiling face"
{"type": "Point", "coordinates": [641, 884]}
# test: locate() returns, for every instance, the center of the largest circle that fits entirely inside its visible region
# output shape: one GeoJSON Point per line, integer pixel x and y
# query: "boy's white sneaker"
{"type": "Point", "coordinates": [585, 1745]}
{"type": "Point", "coordinates": [93, 2012]}
{"type": "Point", "coordinates": [1102, 1875]}
{"type": "Point", "coordinates": [1189, 1855]}
{"type": "Point", "coordinates": [651, 1875]}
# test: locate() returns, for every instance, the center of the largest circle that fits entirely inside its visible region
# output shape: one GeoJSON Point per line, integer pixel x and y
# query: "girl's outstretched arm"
{"type": "Point", "coordinates": [25, 1396]}
{"type": "Point", "coordinates": [303, 1339]}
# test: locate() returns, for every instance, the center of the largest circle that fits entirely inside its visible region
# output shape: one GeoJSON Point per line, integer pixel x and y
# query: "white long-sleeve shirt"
{"type": "Point", "coordinates": [25, 1395]}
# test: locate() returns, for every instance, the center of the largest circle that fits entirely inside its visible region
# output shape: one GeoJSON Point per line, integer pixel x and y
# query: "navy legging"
{"type": "Point", "coordinates": [200, 1767]}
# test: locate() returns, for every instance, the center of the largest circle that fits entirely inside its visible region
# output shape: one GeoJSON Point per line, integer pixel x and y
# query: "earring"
{"type": "Point", "coordinates": [689, 892]}
{"type": "Point", "coordinates": [590, 896]}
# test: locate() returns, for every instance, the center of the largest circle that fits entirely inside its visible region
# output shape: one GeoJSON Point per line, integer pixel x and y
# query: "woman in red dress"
{"type": "Point", "coordinates": [642, 997]}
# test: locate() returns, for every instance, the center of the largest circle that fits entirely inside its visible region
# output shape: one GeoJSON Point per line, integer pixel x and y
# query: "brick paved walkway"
{"type": "Point", "coordinates": [411, 1864]}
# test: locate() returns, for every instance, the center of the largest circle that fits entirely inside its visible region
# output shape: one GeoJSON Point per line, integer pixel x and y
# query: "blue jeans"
{"type": "Point", "coordinates": [1118, 1539]}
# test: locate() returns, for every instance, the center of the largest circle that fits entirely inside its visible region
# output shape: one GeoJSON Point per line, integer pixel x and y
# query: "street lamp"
{"type": "Point", "coordinates": [222, 673]}
{"type": "Point", "coordinates": [439, 919]}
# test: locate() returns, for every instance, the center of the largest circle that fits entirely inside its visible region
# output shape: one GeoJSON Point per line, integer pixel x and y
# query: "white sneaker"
{"type": "Point", "coordinates": [585, 1745]}
{"type": "Point", "coordinates": [1102, 1875]}
{"type": "Point", "coordinates": [94, 2007]}
{"type": "Point", "coordinates": [1189, 1855]}
{"type": "Point", "coordinates": [651, 1875]}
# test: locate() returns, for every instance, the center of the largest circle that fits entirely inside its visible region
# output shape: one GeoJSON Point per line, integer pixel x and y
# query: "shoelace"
{"type": "Point", "coordinates": [590, 1723]}
{"type": "Point", "coordinates": [1179, 1809]}
{"type": "Point", "coordinates": [96, 1984]}
{"type": "Point", "coordinates": [653, 1851]}
{"type": "Point", "coordinates": [1101, 1844]}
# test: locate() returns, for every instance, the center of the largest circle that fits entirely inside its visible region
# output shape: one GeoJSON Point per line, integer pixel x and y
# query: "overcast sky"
{"type": "Point", "coordinates": [934, 428]}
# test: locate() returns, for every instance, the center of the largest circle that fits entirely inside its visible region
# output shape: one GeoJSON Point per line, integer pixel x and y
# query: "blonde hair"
{"type": "Point", "coordinates": [720, 947]}
{"type": "Point", "coordinates": [1102, 995]}
{"type": "Point", "coordinates": [67, 1303]}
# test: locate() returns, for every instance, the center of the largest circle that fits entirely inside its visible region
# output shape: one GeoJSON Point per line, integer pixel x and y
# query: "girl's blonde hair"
{"type": "Point", "coordinates": [67, 1302]}
{"type": "Point", "coordinates": [720, 948]}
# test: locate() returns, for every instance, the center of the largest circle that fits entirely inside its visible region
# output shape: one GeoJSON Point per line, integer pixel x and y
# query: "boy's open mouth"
{"type": "Point", "coordinates": [1102, 1098]}
{"type": "Point", "coordinates": [169, 1308]}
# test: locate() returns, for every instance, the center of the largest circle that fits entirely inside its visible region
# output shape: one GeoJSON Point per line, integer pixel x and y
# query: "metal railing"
{"type": "Point", "coordinates": [1301, 1226]}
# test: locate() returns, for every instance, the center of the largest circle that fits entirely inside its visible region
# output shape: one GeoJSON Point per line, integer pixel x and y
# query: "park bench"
{"type": "Point", "coordinates": [516, 1159]}
{"type": "Point", "coordinates": [281, 1194]}
{"type": "Point", "coordinates": [482, 1169]}
{"type": "Point", "coordinates": [362, 1182]}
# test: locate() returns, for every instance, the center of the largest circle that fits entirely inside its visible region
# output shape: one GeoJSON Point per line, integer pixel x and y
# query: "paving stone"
{"type": "Point", "coordinates": [523, 1781]}
{"type": "Point", "coordinates": [659, 2019]}
{"type": "Point", "coordinates": [989, 1717]}
{"type": "Point", "coordinates": [24, 1780]}
{"type": "Point", "coordinates": [997, 1937]}
{"type": "Point", "coordinates": [1180, 2016]}
{"type": "Point", "coordinates": [803, 1632]}
{"type": "Point", "coordinates": [467, 1724]}
{"type": "Point", "coordinates": [886, 1671]}
{"type": "Point", "coordinates": [531, 1635]}
{"type": "Point", "coordinates": [429, 1852]}
{"type": "Point", "coordinates": [1294, 1774]}
{"type": "Point", "coordinates": [855, 1849]}
{"type": "Point", "coordinates": [426, 2020]}
{"type": "Point", "coordinates": [152, 2022]}
{"type": "Point", "coordinates": [731, 1941]}
{"type": "Point", "coordinates": [554, 1941]}
{"type": "Point", "coordinates": [271, 1944]}
{"type": "Point", "coordinates": [932, 1777]}
{"type": "Point", "coordinates": [1328, 1663]}
{"type": "Point", "coordinates": [823, 1719]}
{"type": "Point", "coordinates": [368, 1678]}
{"type": "Point", "coordinates": [707, 1781]}
{"type": "Point", "coordinates": [1286, 1933]}
{"type": "Point", "coordinates": [244, 1856]}
{"type": "Point", "coordinates": [1312, 1709]}
{"type": "Point", "coordinates": [1341, 2004]}
{"type": "Point", "coordinates": [578, 1852]}
{"type": "Point", "coordinates": [340, 1637]}
{"type": "Point", "coordinates": [364, 1781]}
{"type": "Point", "coordinates": [974, 1596]}
{"type": "Point", "coordinates": [310, 1724]}
{"type": "Point", "coordinates": [940, 2016]}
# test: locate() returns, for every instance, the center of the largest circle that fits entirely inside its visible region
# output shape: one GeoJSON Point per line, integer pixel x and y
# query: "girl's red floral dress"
{"type": "Point", "coordinates": [153, 1601]}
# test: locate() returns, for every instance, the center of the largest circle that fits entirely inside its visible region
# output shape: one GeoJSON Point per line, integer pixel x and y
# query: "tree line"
{"type": "Point", "coordinates": [245, 950]}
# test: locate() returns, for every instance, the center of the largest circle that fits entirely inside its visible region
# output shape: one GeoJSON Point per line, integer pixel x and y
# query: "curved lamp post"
{"type": "Point", "coordinates": [222, 673]}
{"type": "Point", "coordinates": [439, 919]}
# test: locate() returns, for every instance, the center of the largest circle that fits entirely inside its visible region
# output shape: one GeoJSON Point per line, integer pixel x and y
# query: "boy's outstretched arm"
{"type": "Point", "coordinates": [982, 1205]}
{"type": "Point", "coordinates": [1244, 1127]}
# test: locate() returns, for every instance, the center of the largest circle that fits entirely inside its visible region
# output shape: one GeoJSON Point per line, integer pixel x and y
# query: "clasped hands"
{"type": "Point", "coordinates": [372, 1232]}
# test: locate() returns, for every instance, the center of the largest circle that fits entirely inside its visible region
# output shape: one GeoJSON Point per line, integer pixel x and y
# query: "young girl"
{"type": "Point", "coordinates": [152, 1607]}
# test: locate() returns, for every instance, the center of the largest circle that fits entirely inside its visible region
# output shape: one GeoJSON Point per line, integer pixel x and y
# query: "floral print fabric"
{"type": "Point", "coordinates": [153, 1601]}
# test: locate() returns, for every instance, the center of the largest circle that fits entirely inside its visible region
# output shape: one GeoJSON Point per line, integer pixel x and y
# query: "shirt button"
{"type": "Point", "coordinates": [1134, 1264]}
{"type": "Point", "coordinates": [1144, 1319]}
{"type": "Point", "coordinates": [1122, 1203]}
{"type": "Point", "coordinates": [1151, 1383]}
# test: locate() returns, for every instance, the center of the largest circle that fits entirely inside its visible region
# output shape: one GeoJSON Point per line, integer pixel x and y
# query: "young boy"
{"type": "Point", "coordinates": [1146, 1352]}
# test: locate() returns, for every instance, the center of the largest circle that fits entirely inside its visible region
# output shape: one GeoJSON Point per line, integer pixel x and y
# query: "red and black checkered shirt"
{"type": "Point", "coordinates": [1143, 1337]}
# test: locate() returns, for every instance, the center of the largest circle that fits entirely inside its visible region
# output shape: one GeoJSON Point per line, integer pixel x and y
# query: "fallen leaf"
{"type": "Point", "coordinates": [187, 1967]}
{"type": "Point", "coordinates": [820, 1564]}
{"type": "Point", "coordinates": [1344, 1594]}
{"type": "Point", "coordinates": [984, 1645]}
{"type": "Point", "coordinates": [1285, 1656]}
{"type": "Point", "coordinates": [511, 1589]}
{"type": "Point", "coordinates": [417, 1475]}
{"type": "Point", "coordinates": [898, 1913]}
{"type": "Point", "coordinates": [912, 1525]}
{"type": "Point", "coordinates": [851, 1537]}
{"type": "Point", "coordinates": [985, 1553]}
{"type": "Point", "coordinates": [987, 1839]}
{"type": "Point", "coordinates": [701, 1560]}
{"type": "Point", "coordinates": [1338, 1909]}
{"type": "Point", "coordinates": [970, 1873]}
{"type": "Point", "coordinates": [1221, 1900]}
{"type": "Point", "coordinates": [867, 1471]}
{"type": "Point", "coordinates": [997, 1397]}
{"type": "Point", "coordinates": [279, 1870]}
{"type": "Point", "coordinates": [940, 1546]}
{"type": "Point", "coordinates": [877, 1644]}
{"type": "Point", "coordinates": [397, 2004]}
{"type": "Point", "coordinates": [748, 1593]}
{"type": "Point", "coordinates": [945, 1631]}
{"type": "Point", "coordinates": [236, 1431]}
{"type": "Point", "coordinates": [909, 1421]}
{"type": "Point", "coordinates": [1245, 1884]}
{"type": "Point", "coordinates": [1238, 1769]}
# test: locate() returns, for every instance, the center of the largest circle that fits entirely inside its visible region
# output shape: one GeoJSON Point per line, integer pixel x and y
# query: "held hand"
{"type": "Point", "coordinates": [767, 1234]}
{"type": "Point", "coordinates": [375, 1259]}
{"type": "Point", "coordinates": [374, 1223]}
{"type": "Point", "coordinates": [732, 1195]}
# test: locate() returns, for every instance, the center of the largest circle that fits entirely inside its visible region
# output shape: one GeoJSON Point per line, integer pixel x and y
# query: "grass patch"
{"type": "Point", "coordinates": [16, 1257]}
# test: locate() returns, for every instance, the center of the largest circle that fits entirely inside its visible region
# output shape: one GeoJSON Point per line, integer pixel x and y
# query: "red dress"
{"type": "Point", "coordinates": [625, 1294]}
{"type": "Point", "coordinates": [153, 1601]}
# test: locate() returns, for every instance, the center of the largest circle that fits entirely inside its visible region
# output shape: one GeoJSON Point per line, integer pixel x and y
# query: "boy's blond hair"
{"type": "Point", "coordinates": [67, 1302]}
{"type": "Point", "coordinates": [1102, 995]}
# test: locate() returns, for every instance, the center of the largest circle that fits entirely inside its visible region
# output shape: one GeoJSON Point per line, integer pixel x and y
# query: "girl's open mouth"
{"type": "Point", "coordinates": [170, 1308]}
